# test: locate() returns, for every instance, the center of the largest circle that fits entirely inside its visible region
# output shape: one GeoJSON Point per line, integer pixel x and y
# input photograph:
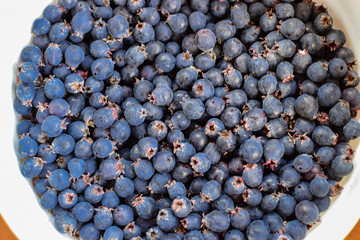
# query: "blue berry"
{"type": "Point", "coordinates": [258, 66]}
{"type": "Point", "coordinates": [144, 169]}
{"type": "Point", "coordinates": [164, 161]}
{"type": "Point", "coordinates": [166, 220]}
{"type": "Point", "coordinates": [32, 167]}
{"type": "Point", "coordinates": [319, 187]}
{"type": "Point", "coordinates": [211, 191]}
{"type": "Point", "coordinates": [76, 167]}
{"type": "Point", "coordinates": [59, 32]}
{"type": "Point", "coordinates": [102, 147]}
{"type": "Point", "coordinates": [49, 199]}
{"type": "Point", "coordinates": [217, 221]}
{"type": "Point", "coordinates": [286, 205]}
{"type": "Point", "coordinates": [258, 230]}
{"type": "Point", "coordinates": [193, 108]}
{"type": "Point", "coordinates": [342, 165]}
{"type": "Point", "coordinates": [123, 215]}
{"type": "Point", "coordinates": [178, 22]}
{"type": "Point", "coordinates": [65, 222]}
{"type": "Point", "coordinates": [102, 68]}
{"type": "Point", "coordinates": [295, 229]}
{"type": "Point", "coordinates": [67, 198]}
{"type": "Point", "coordinates": [303, 163]}
{"type": "Point", "coordinates": [284, 10]}
{"type": "Point", "coordinates": [205, 40]}
{"type": "Point", "coordinates": [89, 231]}
{"type": "Point", "coordinates": [324, 136]}
{"type": "Point", "coordinates": [59, 179]}
{"type": "Point", "coordinates": [337, 67]}
{"type": "Point", "coordinates": [176, 189]}
{"type": "Point", "coordinates": [53, 55]}
{"type": "Point", "coordinates": [145, 207]}
{"type": "Point", "coordinates": [285, 48]}
{"type": "Point", "coordinates": [40, 26]}
{"type": "Point", "coordinates": [200, 162]}
{"type": "Point", "coordinates": [197, 21]}
{"type": "Point", "coordinates": [214, 106]}
{"type": "Point", "coordinates": [113, 232]}
{"type": "Point", "coordinates": [52, 13]}
{"type": "Point", "coordinates": [27, 147]}
{"type": "Point", "coordinates": [255, 119]}
{"type": "Point", "coordinates": [306, 212]}
{"type": "Point", "coordinates": [306, 106]}
{"type": "Point", "coordinates": [292, 28]}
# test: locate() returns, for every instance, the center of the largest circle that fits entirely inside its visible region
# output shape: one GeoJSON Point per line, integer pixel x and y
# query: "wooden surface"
{"type": "Point", "coordinates": [355, 233]}
{"type": "Point", "coordinates": [5, 232]}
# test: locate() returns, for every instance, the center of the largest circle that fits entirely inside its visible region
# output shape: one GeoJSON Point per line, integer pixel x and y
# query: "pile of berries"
{"type": "Point", "coordinates": [199, 119]}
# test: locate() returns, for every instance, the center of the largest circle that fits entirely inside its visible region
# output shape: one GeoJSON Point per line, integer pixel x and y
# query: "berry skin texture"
{"type": "Point", "coordinates": [74, 55]}
{"type": "Point", "coordinates": [292, 28]}
{"type": "Point", "coordinates": [161, 96]}
{"type": "Point", "coordinates": [32, 167]}
{"type": "Point", "coordinates": [258, 66]}
{"type": "Point", "coordinates": [205, 40]}
{"type": "Point", "coordinates": [166, 220]}
{"type": "Point", "coordinates": [295, 229]}
{"type": "Point", "coordinates": [111, 168]}
{"type": "Point", "coordinates": [251, 151]}
{"type": "Point", "coordinates": [102, 68]}
{"type": "Point", "coordinates": [303, 163]}
{"type": "Point", "coordinates": [200, 162]}
{"type": "Point", "coordinates": [27, 147]}
{"type": "Point", "coordinates": [342, 165]}
{"type": "Point", "coordinates": [351, 129]}
{"type": "Point", "coordinates": [135, 114]}
{"type": "Point", "coordinates": [89, 231]}
{"type": "Point", "coordinates": [257, 230]}
{"type": "Point", "coordinates": [307, 212]}
{"type": "Point", "coordinates": [103, 218]}
{"type": "Point", "coordinates": [319, 187]}
{"type": "Point", "coordinates": [67, 199]}
{"type": "Point", "coordinates": [124, 187]}
{"type": "Point", "coordinates": [216, 221]}
{"type": "Point", "coordinates": [328, 94]}
{"type": "Point", "coordinates": [113, 232]}
{"type": "Point", "coordinates": [94, 193]}
{"type": "Point", "coordinates": [123, 215]}
{"type": "Point", "coordinates": [252, 175]}
{"type": "Point", "coordinates": [193, 108]}
{"type": "Point", "coordinates": [337, 67]}
{"type": "Point", "coordinates": [53, 55]}
{"type": "Point", "coordinates": [49, 199]}
{"type": "Point", "coordinates": [234, 186]}
{"type": "Point", "coordinates": [59, 179]}
{"type": "Point", "coordinates": [164, 161]}
{"type": "Point", "coordinates": [102, 147]}
{"type": "Point", "coordinates": [165, 62]}
{"type": "Point", "coordinates": [83, 211]}
{"type": "Point", "coordinates": [181, 207]}
{"type": "Point", "coordinates": [178, 22]}
{"type": "Point", "coordinates": [145, 207]}
{"type": "Point", "coordinates": [306, 106]}
{"type": "Point", "coordinates": [324, 136]}
{"type": "Point", "coordinates": [211, 191]}
{"type": "Point", "coordinates": [65, 222]}
{"type": "Point", "coordinates": [255, 119]}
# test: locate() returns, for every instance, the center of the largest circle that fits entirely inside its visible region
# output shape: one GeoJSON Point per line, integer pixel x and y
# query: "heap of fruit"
{"type": "Point", "coordinates": [172, 119]}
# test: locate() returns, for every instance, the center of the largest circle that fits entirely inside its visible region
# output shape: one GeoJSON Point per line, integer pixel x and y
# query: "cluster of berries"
{"type": "Point", "coordinates": [199, 119]}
